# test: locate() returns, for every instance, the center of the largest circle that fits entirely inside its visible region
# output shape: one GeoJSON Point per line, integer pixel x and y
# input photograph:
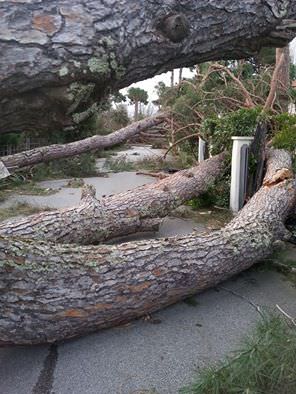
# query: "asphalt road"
{"type": "Point", "coordinates": [158, 355]}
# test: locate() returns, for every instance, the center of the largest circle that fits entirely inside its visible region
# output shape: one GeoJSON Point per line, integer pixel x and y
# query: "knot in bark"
{"type": "Point", "coordinates": [175, 27]}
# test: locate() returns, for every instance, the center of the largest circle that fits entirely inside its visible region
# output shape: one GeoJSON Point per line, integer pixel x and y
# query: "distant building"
{"type": "Point", "coordinates": [292, 109]}
{"type": "Point", "coordinates": [293, 51]}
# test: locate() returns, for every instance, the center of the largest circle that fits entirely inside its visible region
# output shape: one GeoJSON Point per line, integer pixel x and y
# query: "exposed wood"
{"type": "Point", "coordinates": [59, 58]}
{"type": "Point", "coordinates": [52, 292]}
{"type": "Point", "coordinates": [97, 142]}
{"type": "Point", "coordinates": [128, 212]}
{"type": "Point", "coordinates": [278, 170]}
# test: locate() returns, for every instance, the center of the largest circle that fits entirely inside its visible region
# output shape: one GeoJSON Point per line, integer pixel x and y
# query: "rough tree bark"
{"type": "Point", "coordinates": [59, 58]}
{"type": "Point", "coordinates": [52, 292]}
{"type": "Point", "coordinates": [97, 142]}
{"type": "Point", "coordinates": [139, 209]}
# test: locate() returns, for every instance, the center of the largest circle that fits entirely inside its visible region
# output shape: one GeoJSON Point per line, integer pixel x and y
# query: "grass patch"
{"type": "Point", "coordinates": [265, 364]}
{"type": "Point", "coordinates": [191, 301]}
{"type": "Point", "coordinates": [119, 164]}
{"type": "Point", "coordinates": [20, 209]}
{"type": "Point", "coordinates": [74, 167]}
{"type": "Point", "coordinates": [150, 164]}
{"type": "Point", "coordinates": [111, 152]}
{"type": "Point", "coordinates": [25, 182]}
{"type": "Point", "coordinates": [75, 183]}
{"type": "Point", "coordinates": [19, 185]}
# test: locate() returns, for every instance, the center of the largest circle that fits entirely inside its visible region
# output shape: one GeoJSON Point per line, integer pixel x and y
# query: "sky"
{"type": "Point", "coordinates": [149, 84]}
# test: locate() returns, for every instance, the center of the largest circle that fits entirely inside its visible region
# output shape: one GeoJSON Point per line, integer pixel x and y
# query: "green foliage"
{"type": "Point", "coordinates": [10, 139]}
{"type": "Point", "coordinates": [266, 364]}
{"type": "Point", "coordinates": [79, 166]}
{"type": "Point", "coordinates": [284, 130]}
{"type": "Point", "coordinates": [166, 94]}
{"type": "Point", "coordinates": [137, 94]}
{"type": "Point", "coordinates": [219, 130]}
{"type": "Point", "coordinates": [204, 200]}
{"type": "Point", "coordinates": [191, 301]}
{"type": "Point", "coordinates": [119, 116]}
{"type": "Point", "coordinates": [76, 183]}
{"type": "Point", "coordinates": [118, 97]}
{"type": "Point", "coordinates": [24, 183]}
{"type": "Point", "coordinates": [266, 56]}
{"type": "Point", "coordinates": [211, 104]}
{"type": "Point", "coordinates": [218, 194]}
{"type": "Point", "coordinates": [292, 72]}
{"type": "Point", "coordinates": [119, 164]}
{"type": "Point", "coordinates": [19, 184]}
{"type": "Point", "coordinates": [149, 164]}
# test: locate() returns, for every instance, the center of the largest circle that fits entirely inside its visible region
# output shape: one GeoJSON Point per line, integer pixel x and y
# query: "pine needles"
{"type": "Point", "coordinates": [266, 364]}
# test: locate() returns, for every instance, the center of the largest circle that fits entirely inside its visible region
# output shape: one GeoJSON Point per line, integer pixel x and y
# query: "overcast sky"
{"type": "Point", "coordinates": [149, 84]}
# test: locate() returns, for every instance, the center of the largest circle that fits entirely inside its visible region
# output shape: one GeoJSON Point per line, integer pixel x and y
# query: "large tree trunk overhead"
{"type": "Point", "coordinates": [139, 209]}
{"type": "Point", "coordinates": [59, 58]}
{"type": "Point", "coordinates": [52, 292]}
{"type": "Point", "coordinates": [96, 142]}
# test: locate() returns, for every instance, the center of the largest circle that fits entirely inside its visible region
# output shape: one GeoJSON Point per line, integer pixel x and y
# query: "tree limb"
{"type": "Point", "coordinates": [52, 292]}
{"type": "Point", "coordinates": [93, 221]}
{"type": "Point", "coordinates": [96, 142]}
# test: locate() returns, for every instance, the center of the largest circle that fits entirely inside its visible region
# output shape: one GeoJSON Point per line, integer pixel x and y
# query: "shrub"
{"type": "Point", "coordinates": [79, 166]}
{"type": "Point", "coordinates": [219, 130]}
{"type": "Point", "coordinates": [284, 130]}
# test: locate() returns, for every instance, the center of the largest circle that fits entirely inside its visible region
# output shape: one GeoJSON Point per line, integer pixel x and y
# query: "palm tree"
{"type": "Point", "coordinates": [137, 96]}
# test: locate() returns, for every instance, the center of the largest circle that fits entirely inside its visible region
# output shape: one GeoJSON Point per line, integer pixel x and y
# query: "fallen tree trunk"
{"type": "Point", "coordinates": [52, 292]}
{"type": "Point", "coordinates": [96, 142]}
{"type": "Point", "coordinates": [59, 58]}
{"type": "Point", "coordinates": [139, 209]}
